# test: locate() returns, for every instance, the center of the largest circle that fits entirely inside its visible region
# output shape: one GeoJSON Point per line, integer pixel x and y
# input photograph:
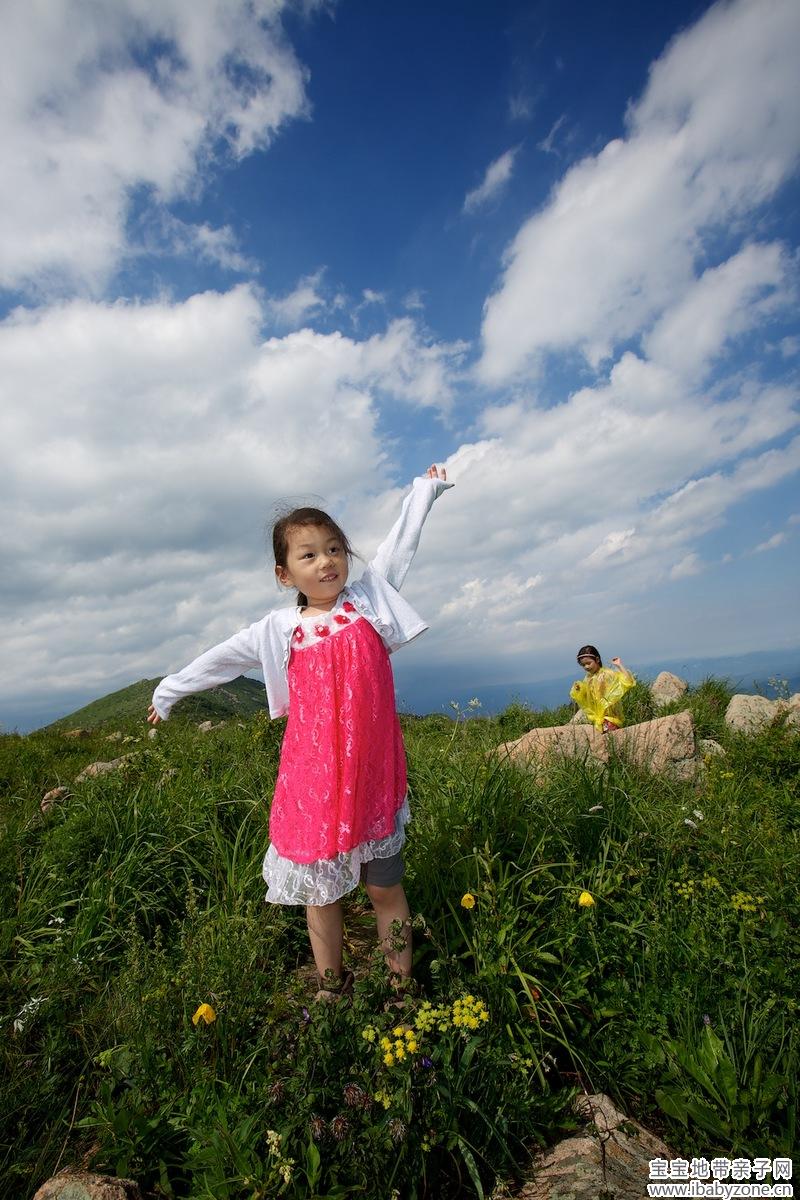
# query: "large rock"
{"type": "Point", "coordinates": [611, 1158]}
{"type": "Point", "coordinates": [580, 718]}
{"type": "Point", "coordinates": [708, 748]}
{"type": "Point", "coordinates": [667, 688]}
{"type": "Point", "coordinates": [751, 714]}
{"type": "Point", "coordinates": [792, 709]}
{"type": "Point", "coordinates": [71, 1184]}
{"type": "Point", "coordinates": [102, 768]}
{"type": "Point", "coordinates": [665, 745]}
{"type": "Point", "coordinates": [52, 797]}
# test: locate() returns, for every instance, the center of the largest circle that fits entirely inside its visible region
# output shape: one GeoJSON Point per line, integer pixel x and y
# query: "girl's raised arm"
{"type": "Point", "coordinates": [396, 552]}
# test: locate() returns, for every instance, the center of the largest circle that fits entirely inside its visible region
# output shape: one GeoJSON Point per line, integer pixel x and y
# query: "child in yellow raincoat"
{"type": "Point", "coordinates": [600, 693]}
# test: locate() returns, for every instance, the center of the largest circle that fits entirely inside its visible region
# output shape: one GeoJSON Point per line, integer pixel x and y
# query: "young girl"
{"type": "Point", "coordinates": [600, 693]}
{"type": "Point", "coordinates": [339, 810]}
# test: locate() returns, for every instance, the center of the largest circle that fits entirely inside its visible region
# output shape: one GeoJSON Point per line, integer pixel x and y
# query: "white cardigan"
{"type": "Point", "coordinates": [266, 643]}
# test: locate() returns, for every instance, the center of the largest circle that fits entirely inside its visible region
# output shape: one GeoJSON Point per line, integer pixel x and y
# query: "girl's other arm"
{"type": "Point", "coordinates": [396, 552]}
{"type": "Point", "coordinates": [218, 665]}
{"type": "Point", "coordinates": [618, 663]}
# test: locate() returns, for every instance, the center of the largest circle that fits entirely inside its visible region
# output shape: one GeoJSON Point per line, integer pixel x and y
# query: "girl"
{"type": "Point", "coordinates": [600, 693]}
{"type": "Point", "coordinates": [339, 810]}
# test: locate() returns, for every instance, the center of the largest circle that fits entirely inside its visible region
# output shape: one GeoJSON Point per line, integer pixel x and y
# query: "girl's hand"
{"type": "Point", "coordinates": [435, 473]}
{"type": "Point", "coordinates": [152, 716]}
{"type": "Point", "coordinates": [617, 662]}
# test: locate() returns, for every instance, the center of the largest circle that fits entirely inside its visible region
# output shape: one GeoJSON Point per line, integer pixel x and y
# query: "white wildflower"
{"type": "Point", "coordinates": [29, 1009]}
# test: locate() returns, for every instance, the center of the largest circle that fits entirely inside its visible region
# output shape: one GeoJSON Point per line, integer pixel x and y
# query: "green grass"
{"type": "Point", "coordinates": [139, 897]}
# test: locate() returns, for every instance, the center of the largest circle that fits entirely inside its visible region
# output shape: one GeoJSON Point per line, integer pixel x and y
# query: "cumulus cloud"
{"type": "Point", "coordinates": [131, 101]}
{"type": "Point", "coordinates": [715, 134]}
{"type": "Point", "coordinates": [142, 447]}
{"type": "Point", "coordinates": [497, 176]}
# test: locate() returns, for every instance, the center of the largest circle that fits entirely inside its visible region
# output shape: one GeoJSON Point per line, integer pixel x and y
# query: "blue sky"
{"type": "Point", "coordinates": [251, 251]}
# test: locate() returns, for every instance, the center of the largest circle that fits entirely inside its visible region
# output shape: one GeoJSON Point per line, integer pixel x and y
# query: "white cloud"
{"type": "Point", "coordinates": [714, 135]}
{"type": "Point", "coordinates": [547, 144]}
{"type": "Point", "coordinates": [771, 543]}
{"type": "Point", "coordinates": [134, 98]}
{"type": "Point", "coordinates": [142, 447]}
{"type": "Point", "coordinates": [520, 106]}
{"type": "Point", "coordinates": [497, 176]}
{"type": "Point", "coordinates": [689, 565]}
{"type": "Point", "coordinates": [304, 301]}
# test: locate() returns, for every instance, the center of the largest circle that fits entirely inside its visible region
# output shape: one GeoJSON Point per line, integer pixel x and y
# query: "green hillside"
{"type": "Point", "coordinates": [577, 930]}
{"type": "Point", "coordinates": [241, 698]}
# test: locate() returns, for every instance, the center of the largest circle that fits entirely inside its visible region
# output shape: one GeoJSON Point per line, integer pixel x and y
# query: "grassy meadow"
{"type": "Point", "coordinates": [139, 898]}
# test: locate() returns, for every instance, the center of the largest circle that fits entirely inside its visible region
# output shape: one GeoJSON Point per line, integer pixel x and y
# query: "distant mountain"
{"type": "Point", "coordinates": [439, 691]}
{"type": "Point", "coordinates": [241, 698]}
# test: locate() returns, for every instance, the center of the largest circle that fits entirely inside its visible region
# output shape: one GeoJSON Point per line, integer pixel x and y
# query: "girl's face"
{"type": "Point", "coordinates": [590, 664]}
{"type": "Point", "coordinates": [316, 564]}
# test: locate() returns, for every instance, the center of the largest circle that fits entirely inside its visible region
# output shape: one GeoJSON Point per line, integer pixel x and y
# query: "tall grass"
{"type": "Point", "coordinates": [139, 897]}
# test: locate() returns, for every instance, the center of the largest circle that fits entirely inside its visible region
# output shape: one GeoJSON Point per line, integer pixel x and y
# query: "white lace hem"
{"type": "Point", "coordinates": [328, 879]}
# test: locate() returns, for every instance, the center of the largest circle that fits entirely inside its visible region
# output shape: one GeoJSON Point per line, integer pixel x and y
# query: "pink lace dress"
{"type": "Point", "coordinates": [340, 797]}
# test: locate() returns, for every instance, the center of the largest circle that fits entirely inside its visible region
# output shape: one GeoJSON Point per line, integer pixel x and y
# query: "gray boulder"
{"type": "Point", "coordinates": [611, 1158]}
{"type": "Point", "coordinates": [72, 1184]}
{"type": "Point", "coordinates": [751, 714]}
{"type": "Point", "coordinates": [52, 797]}
{"type": "Point", "coordinates": [665, 746]}
{"type": "Point", "coordinates": [666, 688]}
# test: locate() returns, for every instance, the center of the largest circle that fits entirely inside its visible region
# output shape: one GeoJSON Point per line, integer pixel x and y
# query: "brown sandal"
{"type": "Point", "coordinates": [343, 990]}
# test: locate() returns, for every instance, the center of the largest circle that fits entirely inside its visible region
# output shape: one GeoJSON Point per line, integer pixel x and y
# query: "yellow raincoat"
{"type": "Point", "coordinates": [600, 695]}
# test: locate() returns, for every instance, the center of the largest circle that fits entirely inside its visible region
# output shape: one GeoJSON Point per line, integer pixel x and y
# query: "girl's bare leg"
{"type": "Point", "coordinates": [325, 931]}
{"type": "Point", "coordinates": [390, 905]}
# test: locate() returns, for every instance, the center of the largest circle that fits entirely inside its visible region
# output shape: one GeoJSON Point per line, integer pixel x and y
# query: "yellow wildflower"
{"type": "Point", "coordinates": [468, 900]}
{"type": "Point", "coordinates": [382, 1098]}
{"type": "Point", "coordinates": [411, 1046]}
{"type": "Point", "coordinates": [388, 1059]}
{"type": "Point", "coordinates": [586, 900]}
{"type": "Point", "coordinates": [368, 1034]}
{"type": "Point", "coordinates": [204, 1013]}
{"type": "Point", "coordinates": [399, 1051]}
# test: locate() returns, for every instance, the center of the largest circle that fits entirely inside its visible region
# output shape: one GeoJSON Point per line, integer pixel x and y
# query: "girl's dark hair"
{"type": "Point", "coordinates": [586, 651]}
{"type": "Point", "coordinates": [296, 519]}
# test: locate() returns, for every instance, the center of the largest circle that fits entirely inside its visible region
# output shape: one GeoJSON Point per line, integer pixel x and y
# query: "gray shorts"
{"type": "Point", "coordinates": [383, 872]}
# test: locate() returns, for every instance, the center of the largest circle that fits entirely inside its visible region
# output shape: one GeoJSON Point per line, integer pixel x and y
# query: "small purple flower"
{"type": "Point", "coordinates": [426, 1062]}
{"type": "Point", "coordinates": [306, 1016]}
{"type": "Point", "coordinates": [706, 1020]}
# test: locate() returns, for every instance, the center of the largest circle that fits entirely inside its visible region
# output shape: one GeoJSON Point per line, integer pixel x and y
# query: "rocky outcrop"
{"type": "Point", "coordinates": [752, 714]}
{"type": "Point", "coordinates": [667, 688]}
{"type": "Point", "coordinates": [708, 748]}
{"type": "Point", "coordinates": [610, 1158]}
{"type": "Point", "coordinates": [71, 1184]}
{"type": "Point", "coordinates": [665, 746]}
{"type": "Point", "coordinates": [102, 768]}
{"type": "Point", "coordinates": [77, 733]}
